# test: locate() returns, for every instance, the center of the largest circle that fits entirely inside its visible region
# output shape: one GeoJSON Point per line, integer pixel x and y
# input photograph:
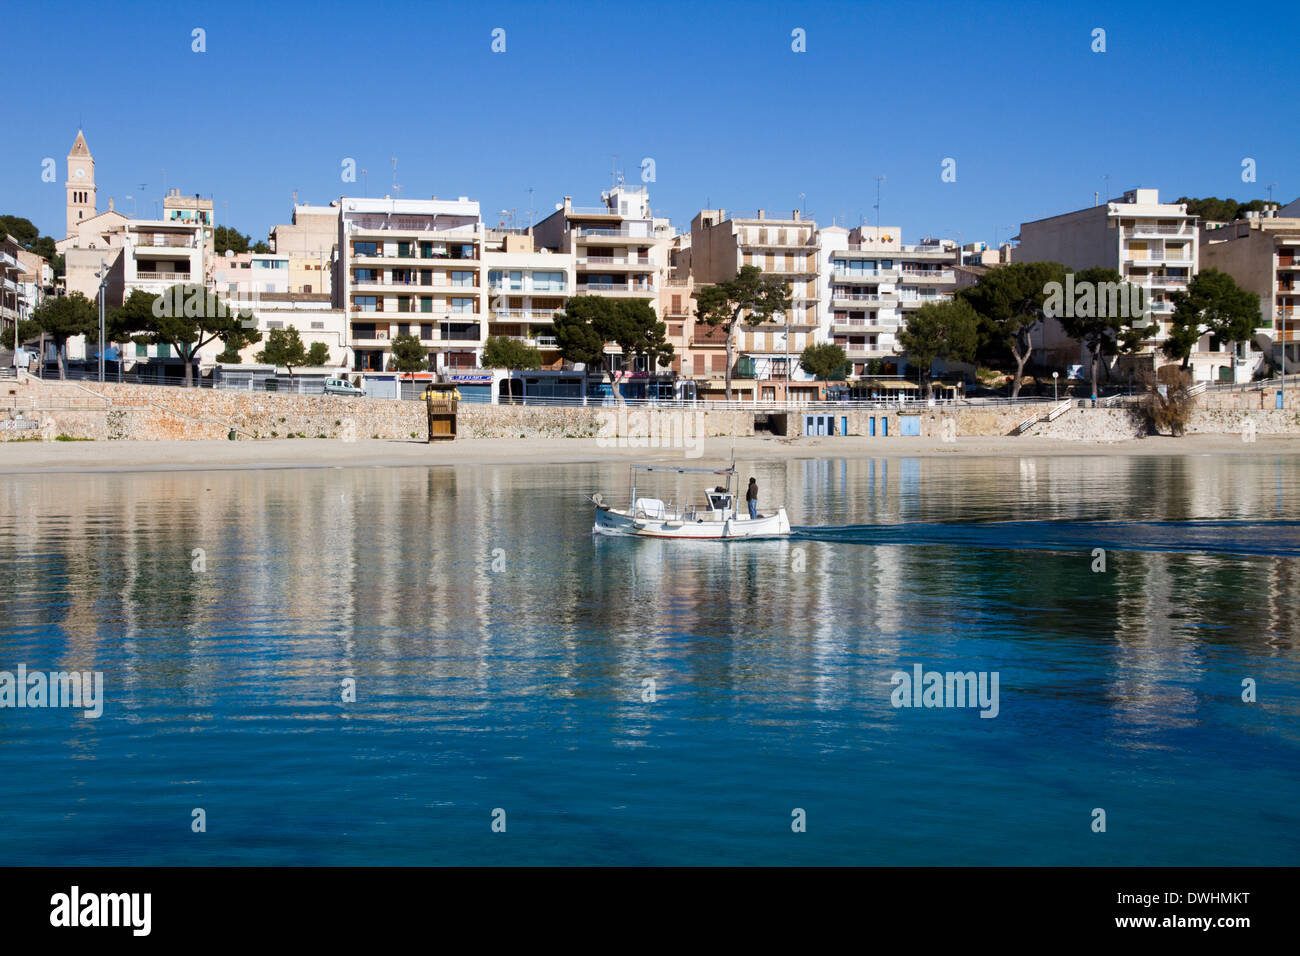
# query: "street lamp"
{"type": "Point", "coordinates": [1055, 376]}
{"type": "Point", "coordinates": [102, 276]}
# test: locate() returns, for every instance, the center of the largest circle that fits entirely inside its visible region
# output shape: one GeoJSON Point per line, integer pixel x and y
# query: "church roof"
{"type": "Point", "coordinates": [79, 148]}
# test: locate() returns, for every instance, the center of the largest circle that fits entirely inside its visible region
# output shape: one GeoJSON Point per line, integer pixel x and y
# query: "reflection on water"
{"type": "Point", "coordinates": [502, 656]}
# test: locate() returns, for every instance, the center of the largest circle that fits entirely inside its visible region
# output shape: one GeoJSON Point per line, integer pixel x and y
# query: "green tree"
{"type": "Point", "coordinates": [408, 355]}
{"type": "Point", "coordinates": [228, 238]}
{"type": "Point", "coordinates": [1213, 209]}
{"type": "Point", "coordinates": [751, 295]}
{"type": "Point", "coordinates": [284, 347]}
{"type": "Point", "coordinates": [824, 361]}
{"type": "Point", "coordinates": [229, 356]}
{"type": "Point", "coordinates": [62, 318]}
{"type": "Point", "coordinates": [634, 327]}
{"type": "Point", "coordinates": [1100, 315]}
{"type": "Point", "coordinates": [590, 321]}
{"type": "Point", "coordinates": [318, 354]}
{"type": "Point", "coordinates": [577, 329]}
{"type": "Point", "coordinates": [23, 230]}
{"type": "Point", "coordinates": [261, 248]}
{"type": "Point", "coordinates": [1214, 303]}
{"type": "Point", "coordinates": [1009, 300]}
{"type": "Point", "coordinates": [187, 317]}
{"type": "Point", "coordinates": [501, 351]}
{"type": "Point", "coordinates": [940, 330]}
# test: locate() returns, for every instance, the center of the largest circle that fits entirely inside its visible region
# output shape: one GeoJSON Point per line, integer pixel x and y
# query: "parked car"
{"type": "Point", "coordinates": [341, 386]}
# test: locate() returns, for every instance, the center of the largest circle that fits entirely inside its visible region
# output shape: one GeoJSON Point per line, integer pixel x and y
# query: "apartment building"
{"type": "Point", "coordinates": [14, 306]}
{"type": "Point", "coordinates": [619, 248]}
{"type": "Point", "coordinates": [312, 314]}
{"type": "Point", "coordinates": [1151, 244]}
{"type": "Point", "coordinates": [526, 286]}
{"type": "Point", "coordinates": [1262, 253]}
{"type": "Point", "coordinates": [872, 282]}
{"type": "Point", "coordinates": [248, 274]}
{"type": "Point", "coordinates": [412, 266]}
{"type": "Point", "coordinates": [310, 241]}
{"type": "Point", "coordinates": [789, 248]}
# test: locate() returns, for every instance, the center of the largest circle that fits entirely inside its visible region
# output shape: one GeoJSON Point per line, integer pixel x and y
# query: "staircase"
{"type": "Point", "coordinates": [1051, 416]}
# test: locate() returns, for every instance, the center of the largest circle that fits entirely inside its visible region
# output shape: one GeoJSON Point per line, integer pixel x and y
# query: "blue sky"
{"type": "Point", "coordinates": [711, 91]}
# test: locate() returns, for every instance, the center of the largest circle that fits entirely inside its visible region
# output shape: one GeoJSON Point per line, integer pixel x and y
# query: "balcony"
{"type": "Point", "coordinates": [615, 288]}
{"type": "Point", "coordinates": [630, 262]}
{"type": "Point", "coordinates": [524, 315]}
{"type": "Point", "coordinates": [162, 240]}
{"type": "Point", "coordinates": [1151, 230]}
{"type": "Point", "coordinates": [861, 326]}
{"type": "Point", "coordinates": [620, 232]}
{"type": "Point", "coordinates": [928, 275]}
{"type": "Point", "coordinates": [865, 276]}
{"type": "Point", "coordinates": [1162, 282]}
{"type": "Point", "coordinates": [915, 302]}
{"type": "Point", "coordinates": [162, 277]}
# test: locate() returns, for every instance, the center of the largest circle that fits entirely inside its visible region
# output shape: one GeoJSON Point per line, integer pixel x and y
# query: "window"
{"type": "Point", "coordinates": [426, 303]}
{"type": "Point", "coordinates": [365, 248]}
{"type": "Point", "coordinates": [404, 250]}
{"type": "Point", "coordinates": [275, 324]}
{"type": "Point", "coordinates": [426, 331]}
{"type": "Point", "coordinates": [467, 278]}
{"type": "Point", "coordinates": [548, 281]}
{"type": "Point", "coordinates": [318, 325]}
{"type": "Point", "coordinates": [365, 303]}
{"type": "Point", "coordinates": [365, 275]}
{"type": "Point", "coordinates": [403, 303]}
{"type": "Point", "coordinates": [462, 305]}
{"type": "Point", "coordinates": [141, 351]}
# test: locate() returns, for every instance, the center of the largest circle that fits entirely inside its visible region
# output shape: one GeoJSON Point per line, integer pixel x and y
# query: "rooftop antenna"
{"type": "Point", "coordinates": [1270, 192]}
{"type": "Point", "coordinates": [1096, 198]}
{"type": "Point", "coordinates": [879, 179]}
{"type": "Point", "coordinates": [1106, 179]}
{"type": "Point", "coordinates": [530, 207]}
{"type": "Point", "coordinates": [396, 188]}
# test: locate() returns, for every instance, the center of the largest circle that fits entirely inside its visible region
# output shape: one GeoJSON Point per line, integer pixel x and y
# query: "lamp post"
{"type": "Point", "coordinates": [102, 276]}
{"type": "Point", "coordinates": [1055, 376]}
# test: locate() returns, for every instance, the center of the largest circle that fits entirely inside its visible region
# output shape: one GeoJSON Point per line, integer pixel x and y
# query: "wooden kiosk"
{"type": "Point", "coordinates": [441, 399]}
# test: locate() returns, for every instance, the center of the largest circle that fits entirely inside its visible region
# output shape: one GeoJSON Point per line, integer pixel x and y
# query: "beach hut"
{"type": "Point", "coordinates": [441, 399]}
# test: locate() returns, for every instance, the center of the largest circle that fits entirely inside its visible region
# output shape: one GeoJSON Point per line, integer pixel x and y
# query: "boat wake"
{"type": "Point", "coordinates": [1254, 538]}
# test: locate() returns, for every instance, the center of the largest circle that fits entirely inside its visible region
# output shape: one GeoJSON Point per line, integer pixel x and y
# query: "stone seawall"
{"type": "Point", "coordinates": [113, 412]}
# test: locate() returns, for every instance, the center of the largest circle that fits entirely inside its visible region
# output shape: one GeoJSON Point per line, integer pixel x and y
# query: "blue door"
{"type": "Point", "coordinates": [884, 426]}
{"type": "Point", "coordinates": [844, 424]}
{"type": "Point", "coordinates": [871, 426]}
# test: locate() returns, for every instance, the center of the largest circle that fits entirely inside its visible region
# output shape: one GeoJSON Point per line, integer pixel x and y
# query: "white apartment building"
{"type": "Point", "coordinates": [1151, 244]}
{"type": "Point", "coordinates": [526, 287]}
{"type": "Point", "coordinates": [412, 266]}
{"type": "Point", "coordinates": [871, 281]}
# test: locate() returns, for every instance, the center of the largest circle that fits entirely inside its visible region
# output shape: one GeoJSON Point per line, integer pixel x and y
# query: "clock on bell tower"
{"type": "Point", "coordinates": [81, 183]}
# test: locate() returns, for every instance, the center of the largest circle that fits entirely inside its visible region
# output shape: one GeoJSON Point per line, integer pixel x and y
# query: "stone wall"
{"type": "Point", "coordinates": [149, 413]}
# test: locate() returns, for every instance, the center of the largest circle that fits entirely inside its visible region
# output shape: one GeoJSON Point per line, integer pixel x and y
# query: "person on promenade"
{"type": "Point", "coordinates": [751, 497]}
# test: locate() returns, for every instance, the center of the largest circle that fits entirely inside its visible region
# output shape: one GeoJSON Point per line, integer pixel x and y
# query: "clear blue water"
{"type": "Point", "coordinates": [521, 688]}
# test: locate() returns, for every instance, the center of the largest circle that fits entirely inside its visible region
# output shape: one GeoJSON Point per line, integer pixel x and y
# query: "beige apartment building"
{"type": "Point", "coordinates": [1262, 253]}
{"type": "Point", "coordinates": [619, 249]}
{"type": "Point", "coordinates": [309, 241]}
{"type": "Point", "coordinates": [1152, 244]}
{"type": "Point", "coordinates": [416, 267]}
{"type": "Point", "coordinates": [767, 362]}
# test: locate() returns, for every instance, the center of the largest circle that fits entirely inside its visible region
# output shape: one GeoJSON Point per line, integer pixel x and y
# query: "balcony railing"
{"type": "Point", "coordinates": [613, 260]}
{"type": "Point", "coordinates": [1157, 231]}
{"type": "Point", "coordinates": [163, 240]}
{"type": "Point", "coordinates": [163, 276]}
{"type": "Point", "coordinates": [620, 232]}
{"type": "Point", "coordinates": [584, 288]}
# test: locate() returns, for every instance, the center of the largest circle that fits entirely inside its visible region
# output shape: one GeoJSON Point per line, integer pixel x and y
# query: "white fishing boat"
{"type": "Point", "coordinates": [715, 516]}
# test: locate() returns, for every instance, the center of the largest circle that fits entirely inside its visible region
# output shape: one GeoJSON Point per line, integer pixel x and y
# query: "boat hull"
{"type": "Point", "coordinates": [612, 521]}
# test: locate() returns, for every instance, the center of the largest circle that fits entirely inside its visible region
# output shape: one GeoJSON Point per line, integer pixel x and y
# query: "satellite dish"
{"type": "Point", "coordinates": [230, 253]}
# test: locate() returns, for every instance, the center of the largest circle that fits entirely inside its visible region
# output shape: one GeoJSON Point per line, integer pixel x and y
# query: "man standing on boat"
{"type": "Point", "coordinates": [751, 498]}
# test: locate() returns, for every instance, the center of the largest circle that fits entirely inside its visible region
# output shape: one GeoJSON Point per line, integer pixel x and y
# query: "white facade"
{"type": "Point", "coordinates": [413, 266]}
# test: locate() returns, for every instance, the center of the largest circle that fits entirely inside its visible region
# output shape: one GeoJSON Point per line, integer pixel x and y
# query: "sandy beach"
{"type": "Point", "coordinates": [73, 457]}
